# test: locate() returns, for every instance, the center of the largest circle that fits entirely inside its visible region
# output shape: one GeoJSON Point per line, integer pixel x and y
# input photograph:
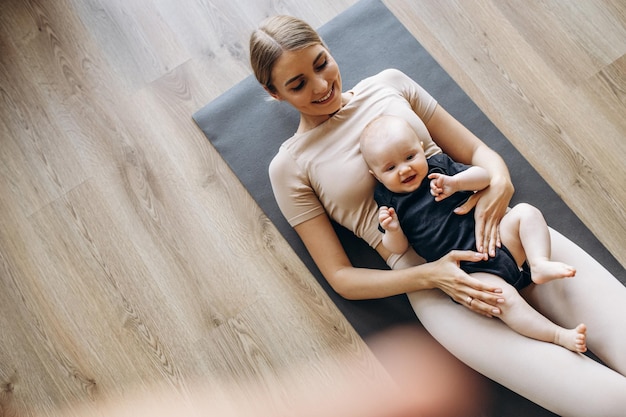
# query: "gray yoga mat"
{"type": "Point", "coordinates": [247, 130]}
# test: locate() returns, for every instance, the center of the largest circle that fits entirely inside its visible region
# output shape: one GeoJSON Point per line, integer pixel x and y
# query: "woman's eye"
{"type": "Point", "coordinates": [322, 65]}
{"type": "Point", "coordinates": [299, 86]}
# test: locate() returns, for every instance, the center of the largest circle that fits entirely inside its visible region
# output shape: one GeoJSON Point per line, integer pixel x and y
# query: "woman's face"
{"type": "Point", "coordinates": [309, 80]}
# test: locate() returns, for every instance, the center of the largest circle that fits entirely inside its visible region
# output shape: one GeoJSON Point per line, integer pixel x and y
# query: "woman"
{"type": "Point", "coordinates": [319, 173]}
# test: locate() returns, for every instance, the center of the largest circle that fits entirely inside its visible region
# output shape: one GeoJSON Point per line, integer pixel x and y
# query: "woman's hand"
{"type": "Point", "coordinates": [491, 205]}
{"type": "Point", "coordinates": [478, 296]}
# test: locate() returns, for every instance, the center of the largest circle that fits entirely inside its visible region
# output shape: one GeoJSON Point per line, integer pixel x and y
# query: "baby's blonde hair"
{"type": "Point", "coordinates": [378, 128]}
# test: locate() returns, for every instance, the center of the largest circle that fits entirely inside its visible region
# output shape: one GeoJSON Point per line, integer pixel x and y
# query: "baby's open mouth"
{"type": "Point", "coordinates": [407, 180]}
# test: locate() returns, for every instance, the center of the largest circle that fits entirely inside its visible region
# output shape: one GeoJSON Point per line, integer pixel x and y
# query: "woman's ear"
{"type": "Point", "coordinates": [272, 93]}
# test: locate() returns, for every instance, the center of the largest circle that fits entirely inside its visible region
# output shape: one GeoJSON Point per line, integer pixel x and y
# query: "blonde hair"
{"type": "Point", "coordinates": [274, 36]}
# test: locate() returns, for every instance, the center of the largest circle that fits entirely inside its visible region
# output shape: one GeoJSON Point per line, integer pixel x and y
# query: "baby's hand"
{"type": "Point", "coordinates": [388, 218]}
{"type": "Point", "coordinates": [441, 186]}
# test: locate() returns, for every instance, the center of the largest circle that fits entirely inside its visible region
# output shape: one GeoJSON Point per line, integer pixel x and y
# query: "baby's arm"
{"type": "Point", "coordinates": [394, 239]}
{"type": "Point", "coordinates": [474, 178]}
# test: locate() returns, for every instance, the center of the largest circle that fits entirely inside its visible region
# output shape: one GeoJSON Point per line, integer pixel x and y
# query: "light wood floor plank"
{"type": "Point", "coordinates": [130, 255]}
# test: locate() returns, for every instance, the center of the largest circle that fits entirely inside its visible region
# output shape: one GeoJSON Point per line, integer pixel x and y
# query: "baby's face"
{"type": "Point", "coordinates": [398, 162]}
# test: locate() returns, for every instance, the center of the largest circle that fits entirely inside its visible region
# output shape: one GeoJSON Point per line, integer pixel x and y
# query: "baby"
{"type": "Point", "coordinates": [417, 198]}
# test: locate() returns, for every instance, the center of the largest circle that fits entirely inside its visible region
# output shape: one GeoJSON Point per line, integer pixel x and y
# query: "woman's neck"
{"type": "Point", "coordinates": [311, 122]}
{"type": "Point", "coordinates": [308, 122]}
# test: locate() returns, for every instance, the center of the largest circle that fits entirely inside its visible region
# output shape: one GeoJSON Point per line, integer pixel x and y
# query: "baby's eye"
{"type": "Point", "coordinates": [408, 158]}
{"type": "Point", "coordinates": [391, 168]}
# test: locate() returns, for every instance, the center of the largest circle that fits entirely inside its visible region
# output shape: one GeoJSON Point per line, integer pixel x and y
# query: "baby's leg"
{"type": "Point", "coordinates": [525, 233]}
{"type": "Point", "coordinates": [525, 320]}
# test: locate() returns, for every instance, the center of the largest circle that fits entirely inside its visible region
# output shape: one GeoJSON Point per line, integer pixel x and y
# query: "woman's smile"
{"type": "Point", "coordinates": [327, 97]}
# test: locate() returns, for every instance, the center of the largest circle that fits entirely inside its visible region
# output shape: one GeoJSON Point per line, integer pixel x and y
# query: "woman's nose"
{"type": "Point", "coordinates": [320, 86]}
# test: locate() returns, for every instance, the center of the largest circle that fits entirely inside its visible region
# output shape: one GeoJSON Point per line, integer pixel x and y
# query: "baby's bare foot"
{"type": "Point", "coordinates": [543, 271]}
{"type": "Point", "coordinates": [573, 339]}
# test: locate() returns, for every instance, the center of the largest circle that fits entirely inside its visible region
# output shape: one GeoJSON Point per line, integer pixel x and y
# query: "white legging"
{"type": "Point", "coordinates": [564, 382]}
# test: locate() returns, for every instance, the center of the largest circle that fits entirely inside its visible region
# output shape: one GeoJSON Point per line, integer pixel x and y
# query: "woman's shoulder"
{"type": "Point", "coordinates": [387, 78]}
{"type": "Point", "coordinates": [390, 76]}
{"type": "Point", "coordinates": [393, 74]}
{"type": "Point", "coordinates": [281, 161]}
{"type": "Point", "coordinates": [289, 162]}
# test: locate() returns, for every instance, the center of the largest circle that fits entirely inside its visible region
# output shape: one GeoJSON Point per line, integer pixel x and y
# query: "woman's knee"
{"type": "Point", "coordinates": [523, 210]}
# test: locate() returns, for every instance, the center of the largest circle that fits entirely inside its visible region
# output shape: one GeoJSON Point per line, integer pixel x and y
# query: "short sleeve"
{"type": "Point", "coordinates": [422, 103]}
{"type": "Point", "coordinates": [442, 163]}
{"type": "Point", "coordinates": [292, 190]}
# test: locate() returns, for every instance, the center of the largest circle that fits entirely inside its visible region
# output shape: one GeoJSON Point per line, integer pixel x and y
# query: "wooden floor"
{"type": "Point", "coordinates": [129, 253]}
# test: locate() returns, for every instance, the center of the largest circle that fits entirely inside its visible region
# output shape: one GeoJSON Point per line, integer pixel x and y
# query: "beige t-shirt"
{"type": "Point", "coordinates": [322, 170]}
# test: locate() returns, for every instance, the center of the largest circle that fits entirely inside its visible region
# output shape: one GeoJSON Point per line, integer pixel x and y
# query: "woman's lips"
{"type": "Point", "coordinates": [327, 97]}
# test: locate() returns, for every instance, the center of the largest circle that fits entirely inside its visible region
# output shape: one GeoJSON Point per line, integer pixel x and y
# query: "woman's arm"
{"type": "Point", "coordinates": [353, 283]}
{"type": "Point", "coordinates": [492, 202]}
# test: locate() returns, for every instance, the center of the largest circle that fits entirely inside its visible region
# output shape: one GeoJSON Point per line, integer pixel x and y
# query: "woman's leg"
{"type": "Point", "coordinates": [593, 297]}
{"type": "Point", "coordinates": [564, 382]}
